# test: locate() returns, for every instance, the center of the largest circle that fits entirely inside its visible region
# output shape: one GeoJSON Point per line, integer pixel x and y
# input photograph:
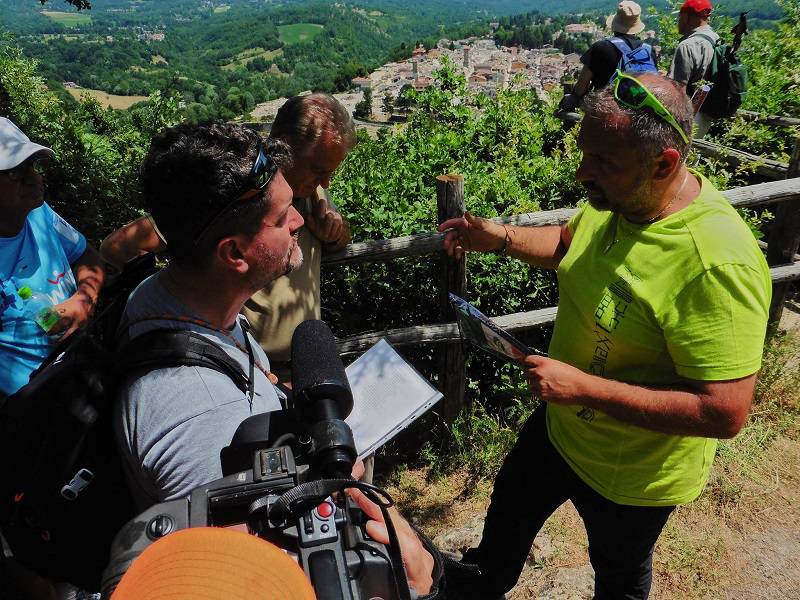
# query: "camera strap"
{"type": "Point", "coordinates": [312, 491]}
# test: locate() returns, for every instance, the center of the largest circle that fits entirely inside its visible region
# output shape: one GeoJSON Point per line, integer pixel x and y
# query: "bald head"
{"type": "Point", "coordinates": [641, 127]}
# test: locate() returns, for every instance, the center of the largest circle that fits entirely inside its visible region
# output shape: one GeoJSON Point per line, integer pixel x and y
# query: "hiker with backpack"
{"type": "Point", "coordinates": [49, 277]}
{"type": "Point", "coordinates": [219, 197]}
{"type": "Point", "coordinates": [623, 50]}
{"type": "Point", "coordinates": [694, 54]}
{"type": "Point", "coordinates": [320, 133]}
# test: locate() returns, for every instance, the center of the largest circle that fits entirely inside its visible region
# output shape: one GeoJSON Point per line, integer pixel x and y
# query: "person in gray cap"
{"type": "Point", "coordinates": [43, 261]}
{"type": "Point", "coordinates": [623, 50]}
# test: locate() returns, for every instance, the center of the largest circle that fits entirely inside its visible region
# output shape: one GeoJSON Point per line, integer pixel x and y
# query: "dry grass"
{"type": "Point", "coordinates": [106, 99]}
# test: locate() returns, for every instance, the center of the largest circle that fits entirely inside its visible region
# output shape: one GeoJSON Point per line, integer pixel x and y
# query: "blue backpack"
{"type": "Point", "coordinates": [640, 59]}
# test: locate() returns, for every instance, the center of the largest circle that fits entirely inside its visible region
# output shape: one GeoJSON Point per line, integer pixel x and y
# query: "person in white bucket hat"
{"type": "Point", "coordinates": [622, 50]}
{"type": "Point", "coordinates": [40, 253]}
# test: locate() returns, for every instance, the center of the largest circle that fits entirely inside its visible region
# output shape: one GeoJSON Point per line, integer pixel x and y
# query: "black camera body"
{"type": "Point", "coordinates": [327, 535]}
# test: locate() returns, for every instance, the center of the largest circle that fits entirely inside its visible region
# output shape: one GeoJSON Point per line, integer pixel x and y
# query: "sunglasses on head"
{"type": "Point", "coordinates": [261, 173]}
{"type": "Point", "coordinates": [631, 93]}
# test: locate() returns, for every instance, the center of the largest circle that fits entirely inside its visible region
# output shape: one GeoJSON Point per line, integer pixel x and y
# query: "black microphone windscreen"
{"type": "Point", "coordinates": [316, 362]}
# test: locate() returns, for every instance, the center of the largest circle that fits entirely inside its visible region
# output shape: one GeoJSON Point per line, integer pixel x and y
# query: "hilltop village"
{"type": "Point", "coordinates": [486, 66]}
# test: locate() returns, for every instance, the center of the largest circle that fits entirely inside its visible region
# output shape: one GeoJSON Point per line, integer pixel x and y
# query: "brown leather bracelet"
{"type": "Point", "coordinates": [501, 251]}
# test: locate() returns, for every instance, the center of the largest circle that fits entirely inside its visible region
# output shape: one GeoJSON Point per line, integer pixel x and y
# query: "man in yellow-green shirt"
{"type": "Point", "coordinates": [663, 303]}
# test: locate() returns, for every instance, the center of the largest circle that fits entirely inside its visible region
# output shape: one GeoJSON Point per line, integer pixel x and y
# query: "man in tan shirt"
{"type": "Point", "coordinates": [320, 133]}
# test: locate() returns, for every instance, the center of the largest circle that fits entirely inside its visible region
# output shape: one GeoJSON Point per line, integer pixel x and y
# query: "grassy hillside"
{"type": "Point", "coordinates": [68, 19]}
{"type": "Point", "coordinates": [299, 32]}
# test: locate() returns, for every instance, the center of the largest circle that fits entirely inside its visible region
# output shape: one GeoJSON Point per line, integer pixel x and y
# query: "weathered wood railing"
{"type": "Point", "coordinates": [766, 167]}
{"type": "Point", "coordinates": [781, 250]}
{"type": "Point", "coordinates": [777, 120]}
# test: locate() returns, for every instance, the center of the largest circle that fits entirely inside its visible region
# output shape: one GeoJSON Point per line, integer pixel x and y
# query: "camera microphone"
{"type": "Point", "coordinates": [322, 397]}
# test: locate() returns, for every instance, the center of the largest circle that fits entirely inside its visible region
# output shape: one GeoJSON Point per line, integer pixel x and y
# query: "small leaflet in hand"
{"type": "Point", "coordinates": [481, 331]}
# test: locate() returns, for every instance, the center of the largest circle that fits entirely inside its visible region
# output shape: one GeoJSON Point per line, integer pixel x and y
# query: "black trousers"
{"type": "Point", "coordinates": [533, 482]}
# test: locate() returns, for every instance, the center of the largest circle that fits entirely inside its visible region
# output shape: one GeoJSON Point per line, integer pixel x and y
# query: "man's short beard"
{"type": "Point", "coordinates": [636, 200]}
{"type": "Point", "coordinates": [271, 266]}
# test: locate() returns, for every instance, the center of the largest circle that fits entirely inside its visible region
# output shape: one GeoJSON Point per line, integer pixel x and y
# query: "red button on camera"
{"type": "Point", "coordinates": [325, 510]}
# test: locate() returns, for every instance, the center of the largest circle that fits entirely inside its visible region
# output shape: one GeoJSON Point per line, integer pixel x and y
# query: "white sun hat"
{"type": "Point", "coordinates": [16, 147]}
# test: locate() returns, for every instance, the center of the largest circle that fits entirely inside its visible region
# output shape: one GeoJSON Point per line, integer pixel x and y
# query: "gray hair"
{"type": "Point", "coordinates": [649, 131]}
{"type": "Point", "coordinates": [303, 120]}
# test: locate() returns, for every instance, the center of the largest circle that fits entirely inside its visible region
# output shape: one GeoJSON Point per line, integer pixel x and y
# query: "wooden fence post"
{"type": "Point", "coordinates": [784, 237]}
{"type": "Point", "coordinates": [453, 371]}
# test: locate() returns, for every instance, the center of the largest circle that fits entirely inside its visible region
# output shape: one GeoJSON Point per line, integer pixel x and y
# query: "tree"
{"type": "Point", "coordinates": [404, 100]}
{"type": "Point", "coordinates": [388, 104]}
{"type": "Point", "coordinates": [363, 109]}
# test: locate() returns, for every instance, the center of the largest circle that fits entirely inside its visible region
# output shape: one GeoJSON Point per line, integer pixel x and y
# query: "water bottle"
{"type": "Point", "coordinates": [699, 97]}
{"type": "Point", "coordinates": [39, 308]}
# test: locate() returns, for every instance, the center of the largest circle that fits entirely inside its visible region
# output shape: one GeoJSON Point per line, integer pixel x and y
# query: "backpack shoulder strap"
{"type": "Point", "coordinates": [708, 38]}
{"type": "Point", "coordinates": [620, 44]}
{"type": "Point", "coordinates": [174, 348]}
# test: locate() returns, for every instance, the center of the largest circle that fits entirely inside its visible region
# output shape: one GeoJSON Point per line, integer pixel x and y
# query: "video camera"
{"type": "Point", "coordinates": [289, 490]}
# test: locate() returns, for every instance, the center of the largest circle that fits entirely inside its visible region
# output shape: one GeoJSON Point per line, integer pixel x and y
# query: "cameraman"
{"type": "Point", "coordinates": [218, 195]}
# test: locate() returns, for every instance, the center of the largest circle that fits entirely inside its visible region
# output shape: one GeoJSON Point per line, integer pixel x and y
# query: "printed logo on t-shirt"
{"type": "Point", "coordinates": [608, 316]}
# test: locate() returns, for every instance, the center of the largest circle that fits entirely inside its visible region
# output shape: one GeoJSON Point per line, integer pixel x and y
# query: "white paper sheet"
{"type": "Point", "coordinates": [388, 395]}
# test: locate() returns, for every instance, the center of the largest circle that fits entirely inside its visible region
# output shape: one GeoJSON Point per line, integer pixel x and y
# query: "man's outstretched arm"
{"type": "Point", "coordinates": [131, 240]}
{"type": "Point", "coordinates": [542, 247]}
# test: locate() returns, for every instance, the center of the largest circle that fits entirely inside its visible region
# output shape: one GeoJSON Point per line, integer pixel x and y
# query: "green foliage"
{"type": "Point", "coordinates": [480, 440]}
{"type": "Point", "coordinates": [93, 183]}
{"type": "Point", "coordinates": [515, 158]}
{"type": "Point", "coordinates": [363, 110]}
{"type": "Point", "coordinates": [79, 4]}
{"type": "Point", "coordinates": [536, 30]}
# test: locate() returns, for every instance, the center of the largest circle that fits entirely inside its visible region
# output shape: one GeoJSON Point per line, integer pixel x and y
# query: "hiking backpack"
{"type": "Point", "coordinates": [63, 495]}
{"type": "Point", "coordinates": [640, 59]}
{"type": "Point", "coordinates": [729, 77]}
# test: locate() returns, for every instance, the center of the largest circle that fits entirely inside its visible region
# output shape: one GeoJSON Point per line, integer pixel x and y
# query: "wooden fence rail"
{"type": "Point", "coordinates": [766, 167]}
{"type": "Point", "coordinates": [441, 333]}
{"type": "Point", "coordinates": [761, 194]}
{"type": "Point", "coordinates": [777, 120]}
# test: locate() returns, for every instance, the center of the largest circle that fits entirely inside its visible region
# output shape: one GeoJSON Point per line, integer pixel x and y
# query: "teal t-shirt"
{"type": "Point", "coordinates": [685, 297]}
{"type": "Point", "coordinates": [38, 257]}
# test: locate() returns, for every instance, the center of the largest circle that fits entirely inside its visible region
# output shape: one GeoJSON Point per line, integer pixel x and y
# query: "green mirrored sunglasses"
{"type": "Point", "coordinates": [632, 93]}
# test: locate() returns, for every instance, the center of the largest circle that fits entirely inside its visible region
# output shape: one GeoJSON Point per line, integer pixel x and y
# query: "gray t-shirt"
{"type": "Point", "coordinates": [692, 61]}
{"type": "Point", "coordinates": [172, 423]}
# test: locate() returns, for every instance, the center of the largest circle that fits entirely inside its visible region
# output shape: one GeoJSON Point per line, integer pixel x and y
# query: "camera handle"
{"type": "Point", "coordinates": [326, 563]}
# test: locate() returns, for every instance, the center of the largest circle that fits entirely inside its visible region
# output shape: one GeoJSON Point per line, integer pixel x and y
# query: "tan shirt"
{"type": "Point", "coordinates": [275, 311]}
{"type": "Point", "coordinates": [692, 61]}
